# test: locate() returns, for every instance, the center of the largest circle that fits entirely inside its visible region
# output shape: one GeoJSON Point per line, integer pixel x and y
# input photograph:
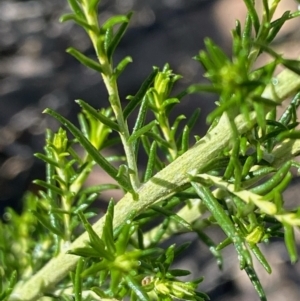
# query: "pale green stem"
{"type": "Point", "coordinates": [65, 200]}
{"type": "Point", "coordinates": [164, 184]}
{"type": "Point", "coordinates": [114, 98]}
{"type": "Point", "coordinates": [165, 127]}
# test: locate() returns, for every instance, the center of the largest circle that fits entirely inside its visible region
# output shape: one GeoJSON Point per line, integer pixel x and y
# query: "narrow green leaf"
{"type": "Point", "coordinates": [288, 135]}
{"type": "Point", "coordinates": [118, 230]}
{"type": "Point", "coordinates": [176, 124]}
{"type": "Point", "coordinates": [98, 115]}
{"type": "Point", "coordinates": [204, 59]}
{"type": "Point", "coordinates": [152, 95]}
{"type": "Point", "coordinates": [84, 60]}
{"type": "Point", "coordinates": [78, 280]}
{"type": "Point", "coordinates": [98, 291]}
{"type": "Point", "coordinates": [139, 291]}
{"type": "Point", "coordinates": [170, 101]}
{"type": "Point", "coordinates": [243, 145]}
{"type": "Point", "coordinates": [152, 252]}
{"type": "Point", "coordinates": [108, 236]}
{"type": "Point", "coordinates": [212, 247]}
{"type": "Point", "coordinates": [193, 119]}
{"type": "Point", "coordinates": [169, 257]}
{"type": "Point", "coordinates": [112, 21]}
{"type": "Point", "coordinates": [283, 184]}
{"type": "Point", "coordinates": [257, 175]}
{"type": "Point", "coordinates": [121, 66]}
{"type": "Point", "coordinates": [123, 238]}
{"type": "Point", "coordinates": [261, 258]}
{"type": "Point", "coordinates": [253, 14]}
{"type": "Point", "coordinates": [107, 37]}
{"type": "Point", "coordinates": [76, 8]}
{"type": "Point", "coordinates": [263, 100]}
{"type": "Point", "coordinates": [140, 120]}
{"type": "Point", "coordinates": [250, 161]}
{"type": "Point", "coordinates": [238, 28]}
{"type": "Point", "coordinates": [178, 273]}
{"type": "Point", "coordinates": [270, 138]}
{"type": "Point", "coordinates": [95, 268]}
{"type": "Point", "coordinates": [84, 126]}
{"type": "Point", "coordinates": [276, 26]}
{"type": "Point", "coordinates": [46, 196]}
{"type": "Point", "coordinates": [197, 88]}
{"type": "Point", "coordinates": [216, 54]}
{"type": "Point", "coordinates": [293, 65]}
{"type": "Point", "coordinates": [143, 130]}
{"type": "Point", "coordinates": [200, 295]}
{"type": "Point", "coordinates": [296, 13]}
{"type": "Point", "coordinates": [50, 168]}
{"type": "Point", "coordinates": [115, 280]}
{"type": "Point", "coordinates": [229, 169]}
{"type": "Point", "coordinates": [92, 4]}
{"type": "Point", "coordinates": [225, 223]}
{"type": "Point", "coordinates": [236, 43]}
{"type": "Point", "coordinates": [49, 186]}
{"type": "Point", "coordinates": [81, 22]}
{"type": "Point", "coordinates": [134, 102]}
{"type": "Point", "coordinates": [259, 151]}
{"type": "Point", "coordinates": [47, 224]}
{"type": "Point", "coordinates": [85, 252]}
{"type": "Point", "coordinates": [93, 152]}
{"type": "Point", "coordinates": [151, 162]}
{"type": "Point", "coordinates": [290, 243]}
{"type": "Point", "coordinates": [122, 170]}
{"type": "Point", "coordinates": [246, 36]}
{"type": "Point", "coordinates": [266, 10]}
{"type": "Point", "coordinates": [111, 142]}
{"type": "Point", "coordinates": [69, 167]}
{"type": "Point", "coordinates": [256, 282]}
{"type": "Point", "coordinates": [95, 241]}
{"type": "Point", "coordinates": [181, 248]}
{"type": "Point", "coordinates": [274, 181]}
{"type": "Point", "coordinates": [223, 244]}
{"type": "Point", "coordinates": [288, 113]}
{"type": "Point", "coordinates": [99, 188]}
{"type": "Point", "coordinates": [160, 141]}
{"type": "Point", "coordinates": [190, 124]}
{"type": "Point", "coordinates": [185, 140]}
{"type": "Point", "coordinates": [237, 165]}
{"type": "Point", "coordinates": [173, 216]}
{"type": "Point", "coordinates": [146, 144]}
{"type": "Point", "coordinates": [46, 159]}
{"type": "Point", "coordinates": [274, 123]}
{"type": "Point", "coordinates": [118, 36]}
{"type": "Point", "coordinates": [260, 116]}
{"type": "Point", "coordinates": [81, 207]}
{"type": "Point", "coordinates": [159, 232]}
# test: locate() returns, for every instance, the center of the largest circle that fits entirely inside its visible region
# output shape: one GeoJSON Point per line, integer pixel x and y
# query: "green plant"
{"type": "Point", "coordinates": [235, 174]}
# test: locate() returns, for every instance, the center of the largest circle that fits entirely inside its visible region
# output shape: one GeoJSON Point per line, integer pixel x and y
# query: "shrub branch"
{"type": "Point", "coordinates": [165, 183]}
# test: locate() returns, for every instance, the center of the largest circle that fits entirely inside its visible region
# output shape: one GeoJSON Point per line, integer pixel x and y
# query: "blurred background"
{"type": "Point", "coordinates": [36, 73]}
